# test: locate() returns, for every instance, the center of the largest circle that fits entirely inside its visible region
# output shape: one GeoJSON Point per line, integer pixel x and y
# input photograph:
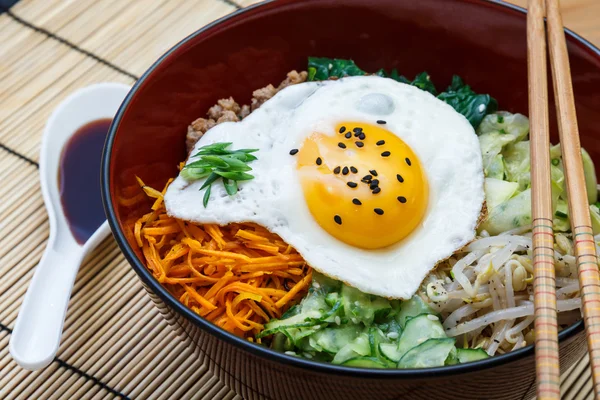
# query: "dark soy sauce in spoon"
{"type": "Point", "coordinates": [79, 179]}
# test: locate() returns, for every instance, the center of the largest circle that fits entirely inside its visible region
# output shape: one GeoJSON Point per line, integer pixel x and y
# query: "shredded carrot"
{"type": "Point", "coordinates": [237, 276]}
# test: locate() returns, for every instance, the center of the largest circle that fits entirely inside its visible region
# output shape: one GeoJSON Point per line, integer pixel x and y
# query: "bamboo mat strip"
{"type": "Point", "coordinates": [115, 344]}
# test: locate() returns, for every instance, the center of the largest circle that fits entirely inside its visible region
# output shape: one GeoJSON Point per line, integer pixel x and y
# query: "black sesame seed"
{"type": "Point", "coordinates": [337, 219]}
{"type": "Point", "coordinates": [319, 161]}
{"type": "Point", "coordinates": [357, 202]}
{"type": "Point", "coordinates": [381, 122]}
{"type": "Point", "coordinates": [408, 161]}
{"type": "Point", "coordinates": [400, 178]}
{"type": "Point", "coordinates": [353, 170]}
{"type": "Point", "coordinates": [378, 211]}
{"type": "Point", "coordinates": [348, 135]}
{"type": "Point", "coordinates": [362, 136]}
{"type": "Point", "coordinates": [373, 172]}
{"type": "Point", "coordinates": [367, 177]}
{"type": "Point", "coordinates": [352, 184]}
{"type": "Point", "coordinates": [341, 145]}
{"type": "Point", "coordinates": [293, 152]}
{"type": "Point", "coordinates": [336, 170]}
{"type": "Point", "coordinates": [376, 190]}
{"type": "Point", "coordinates": [402, 199]}
{"type": "Point", "coordinates": [358, 129]}
{"type": "Point", "coordinates": [342, 129]}
{"type": "Point", "coordinates": [359, 144]}
{"type": "Point", "coordinates": [380, 143]}
{"type": "Point", "coordinates": [345, 171]}
{"type": "Point", "coordinates": [375, 182]}
{"type": "Point", "coordinates": [385, 154]}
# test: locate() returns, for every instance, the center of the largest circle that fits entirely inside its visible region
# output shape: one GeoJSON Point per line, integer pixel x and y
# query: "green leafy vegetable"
{"type": "Point", "coordinates": [320, 69]}
{"type": "Point", "coordinates": [460, 96]}
{"type": "Point", "coordinates": [465, 101]}
{"type": "Point", "coordinates": [216, 161]}
{"type": "Point", "coordinates": [423, 82]}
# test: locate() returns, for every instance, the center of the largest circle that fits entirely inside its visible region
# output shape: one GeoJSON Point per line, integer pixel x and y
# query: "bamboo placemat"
{"type": "Point", "coordinates": [115, 343]}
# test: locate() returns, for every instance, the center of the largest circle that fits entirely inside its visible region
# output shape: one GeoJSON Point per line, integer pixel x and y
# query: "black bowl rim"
{"type": "Point", "coordinates": [258, 350]}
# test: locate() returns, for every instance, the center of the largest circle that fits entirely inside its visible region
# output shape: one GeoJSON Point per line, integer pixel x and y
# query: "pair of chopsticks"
{"type": "Point", "coordinates": [546, 329]}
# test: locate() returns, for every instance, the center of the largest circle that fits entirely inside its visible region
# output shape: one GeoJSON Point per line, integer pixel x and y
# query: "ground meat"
{"type": "Point", "coordinates": [228, 116]}
{"type": "Point", "coordinates": [293, 77]}
{"type": "Point", "coordinates": [222, 107]}
{"type": "Point", "coordinates": [245, 111]}
{"type": "Point", "coordinates": [195, 131]}
{"type": "Point", "coordinates": [228, 110]}
{"type": "Point", "coordinates": [259, 96]}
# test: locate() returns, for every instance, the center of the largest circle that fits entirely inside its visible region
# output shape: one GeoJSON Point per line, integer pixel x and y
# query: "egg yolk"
{"type": "Point", "coordinates": [364, 185]}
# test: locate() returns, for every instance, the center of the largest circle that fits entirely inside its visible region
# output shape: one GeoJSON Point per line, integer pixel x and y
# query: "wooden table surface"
{"type": "Point", "coordinates": [581, 16]}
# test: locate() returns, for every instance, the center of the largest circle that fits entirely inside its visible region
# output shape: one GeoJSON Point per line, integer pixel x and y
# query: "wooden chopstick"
{"type": "Point", "coordinates": [579, 213]}
{"type": "Point", "coordinates": [544, 290]}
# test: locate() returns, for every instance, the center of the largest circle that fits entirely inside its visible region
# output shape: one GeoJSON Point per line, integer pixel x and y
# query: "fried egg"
{"type": "Point", "coordinates": [372, 181]}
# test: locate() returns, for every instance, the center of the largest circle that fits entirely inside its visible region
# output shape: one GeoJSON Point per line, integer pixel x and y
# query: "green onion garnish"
{"type": "Point", "coordinates": [216, 162]}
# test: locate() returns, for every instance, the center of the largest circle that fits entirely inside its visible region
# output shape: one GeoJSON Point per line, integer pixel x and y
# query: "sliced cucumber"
{"type": "Point", "coordinates": [281, 342]}
{"type": "Point", "coordinates": [357, 305]}
{"type": "Point", "coordinates": [390, 352]}
{"type": "Point", "coordinates": [305, 319]}
{"type": "Point", "coordinates": [324, 283]}
{"type": "Point", "coordinates": [364, 362]}
{"type": "Point", "coordinates": [332, 340]}
{"type": "Point", "coordinates": [418, 330]}
{"type": "Point", "coordinates": [359, 347]}
{"type": "Point", "coordinates": [296, 335]}
{"type": "Point", "coordinates": [375, 338]}
{"type": "Point", "coordinates": [411, 308]}
{"type": "Point", "coordinates": [332, 298]}
{"type": "Point", "coordinates": [431, 353]}
{"type": "Point", "coordinates": [346, 353]}
{"type": "Point", "coordinates": [330, 315]}
{"type": "Point", "coordinates": [452, 357]}
{"type": "Point", "coordinates": [468, 355]}
{"type": "Point", "coordinates": [381, 308]}
{"type": "Point", "coordinates": [293, 310]}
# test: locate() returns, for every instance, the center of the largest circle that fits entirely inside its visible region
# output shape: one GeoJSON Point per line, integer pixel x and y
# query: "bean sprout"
{"type": "Point", "coordinates": [488, 295]}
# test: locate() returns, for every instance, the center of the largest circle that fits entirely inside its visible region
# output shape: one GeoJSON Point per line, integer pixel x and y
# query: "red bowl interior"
{"type": "Point", "coordinates": [484, 42]}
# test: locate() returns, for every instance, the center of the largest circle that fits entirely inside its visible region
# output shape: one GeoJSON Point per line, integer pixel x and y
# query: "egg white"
{"type": "Point", "coordinates": [444, 141]}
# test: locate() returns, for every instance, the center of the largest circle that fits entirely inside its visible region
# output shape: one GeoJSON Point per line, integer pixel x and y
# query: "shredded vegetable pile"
{"type": "Point", "coordinates": [238, 277]}
{"type": "Point", "coordinates": [485, 294]}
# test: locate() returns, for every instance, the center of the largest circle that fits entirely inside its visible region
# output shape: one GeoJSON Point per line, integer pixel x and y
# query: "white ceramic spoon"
{"type": "Point", "coordinates": [38, 328]}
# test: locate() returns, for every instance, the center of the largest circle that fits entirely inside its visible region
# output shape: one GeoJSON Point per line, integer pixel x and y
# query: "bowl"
{"type": "Point", "coordinates": [483, 41]}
